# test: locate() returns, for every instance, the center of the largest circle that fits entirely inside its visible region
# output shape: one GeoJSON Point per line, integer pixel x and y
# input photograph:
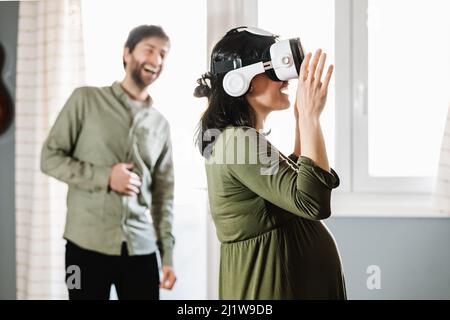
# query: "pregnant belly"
{"type": "Point", "coordinates": [312, 256]}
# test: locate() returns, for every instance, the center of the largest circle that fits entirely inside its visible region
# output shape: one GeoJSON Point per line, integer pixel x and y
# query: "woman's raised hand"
{"type": "Point", "coordinates": [311, 91]}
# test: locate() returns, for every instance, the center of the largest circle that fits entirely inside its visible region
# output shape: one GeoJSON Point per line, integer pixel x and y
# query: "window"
{"type": "Point", "coordinates": [313, 22]}
{"type": "Point", "coordinates": [106, 25]}
{"type": "Point", "coordinates": [401, 70]}
{"type": "Point", "coordinates": [385, 113]}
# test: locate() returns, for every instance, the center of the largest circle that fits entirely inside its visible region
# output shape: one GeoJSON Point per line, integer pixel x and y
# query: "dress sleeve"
{"type": "Point", "coordinates": [302, 188]}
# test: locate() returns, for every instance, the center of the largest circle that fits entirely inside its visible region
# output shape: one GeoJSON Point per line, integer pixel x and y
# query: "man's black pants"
{"type": "Point", "coordinates": [134, 277]}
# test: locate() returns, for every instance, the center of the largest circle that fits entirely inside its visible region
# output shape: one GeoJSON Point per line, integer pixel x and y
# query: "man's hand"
{"type": "Point", "coordinates": [123, 180]}
{"type": "Point", "coordinates": [168, 278]}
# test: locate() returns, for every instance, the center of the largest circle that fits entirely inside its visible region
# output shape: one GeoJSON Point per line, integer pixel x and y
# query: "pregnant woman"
{"type": "Point", "coordinates": [267, 207]}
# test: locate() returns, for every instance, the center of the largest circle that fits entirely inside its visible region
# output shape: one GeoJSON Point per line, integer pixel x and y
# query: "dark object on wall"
{"type": "Point", "coordinates": [6, 103]}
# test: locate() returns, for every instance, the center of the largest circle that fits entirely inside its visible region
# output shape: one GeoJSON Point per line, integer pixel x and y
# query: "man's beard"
{"type": "Point", "coordinates": [137, 78]}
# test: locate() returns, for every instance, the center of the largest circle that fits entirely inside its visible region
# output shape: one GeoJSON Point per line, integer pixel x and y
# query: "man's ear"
{"type": "Point", "coordinates": [126, 54]}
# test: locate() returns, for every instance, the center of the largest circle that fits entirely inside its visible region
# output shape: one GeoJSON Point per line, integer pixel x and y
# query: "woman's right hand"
{"type": "Point", "coordinates": [311, 91]}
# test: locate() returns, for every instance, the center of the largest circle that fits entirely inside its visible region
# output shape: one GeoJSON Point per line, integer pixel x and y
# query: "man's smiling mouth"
{"type": "Point", "coordinates": [150, 69]}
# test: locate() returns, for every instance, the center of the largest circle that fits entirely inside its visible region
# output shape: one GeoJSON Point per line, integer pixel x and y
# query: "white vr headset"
{"type": "Point", "coordinates": [281, 62]}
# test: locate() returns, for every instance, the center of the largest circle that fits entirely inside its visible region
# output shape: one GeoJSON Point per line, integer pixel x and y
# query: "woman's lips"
{"type": "Point", "coordinates": [284, 89]}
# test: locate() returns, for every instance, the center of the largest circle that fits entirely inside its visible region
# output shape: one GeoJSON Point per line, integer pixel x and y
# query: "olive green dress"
{"type": "Point", "coordinates": [267, 216]}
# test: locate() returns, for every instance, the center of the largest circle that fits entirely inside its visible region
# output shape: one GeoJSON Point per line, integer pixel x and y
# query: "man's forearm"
{"type": "Point", "coordinates": [82, 174]}
{"type": "Point", "coordinates": [162, 220]}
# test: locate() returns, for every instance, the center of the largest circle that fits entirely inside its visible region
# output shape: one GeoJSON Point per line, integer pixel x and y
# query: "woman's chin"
{"type": "Point", "coordinates": [285, 104]}
{"type": "Point", "coordinates": [279, 104]}
{"type": "Point", "coordinates": [280, 107]}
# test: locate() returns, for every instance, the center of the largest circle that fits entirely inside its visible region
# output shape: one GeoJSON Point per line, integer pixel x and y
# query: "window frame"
{"type": "Point", "coordinates": [356, 90]}
{"type": "Point", "coordinates": [351, 127]}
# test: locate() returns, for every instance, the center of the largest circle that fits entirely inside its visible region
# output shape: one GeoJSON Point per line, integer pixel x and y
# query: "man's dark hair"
{"type": "Point", "coordinates": [141, 32]}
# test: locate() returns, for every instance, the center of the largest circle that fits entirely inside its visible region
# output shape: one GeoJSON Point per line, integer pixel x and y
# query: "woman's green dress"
{"type": "Point", "coordinates": [267, 216]}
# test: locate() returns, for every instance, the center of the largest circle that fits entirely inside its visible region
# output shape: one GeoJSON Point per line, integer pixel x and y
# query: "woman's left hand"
{"type": "Point", "coordinates": [311, 91]}
{"type": "Point", "coordinates": [297, 147]}
{"type": "Point", "coordinates": [296, 112]}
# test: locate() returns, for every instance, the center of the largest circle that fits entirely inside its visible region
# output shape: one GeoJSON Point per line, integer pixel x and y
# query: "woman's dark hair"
{"type": "Point", "coordinates": [141, 32]}
{"type": "Point", "coordinates": [224, 110]}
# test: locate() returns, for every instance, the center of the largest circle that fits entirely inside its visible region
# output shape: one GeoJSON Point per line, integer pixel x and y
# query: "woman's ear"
{"type": "Point", "coordinates": [252, 85]}
{"type": "Point", "coordinates": [258, 85]}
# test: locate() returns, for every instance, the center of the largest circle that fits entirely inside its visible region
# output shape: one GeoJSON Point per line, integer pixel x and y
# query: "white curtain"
{"type": "Point", "coordinates": [442, 194]}
{"type": "Point", "coordinates": [50, 64]}
{"type": "Point", "coordinates": [222, 16]}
